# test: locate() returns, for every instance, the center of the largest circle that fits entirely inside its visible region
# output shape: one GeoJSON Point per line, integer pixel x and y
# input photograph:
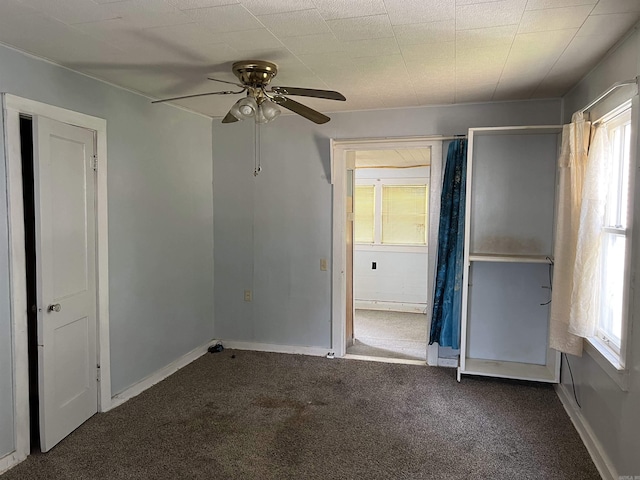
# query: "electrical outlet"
{"type": "Point", "coordinates": [247, 295]}
{"type": "Point", "coordinates": [374, 265]}
{"type": "Point", "coordinates": [323, 264]}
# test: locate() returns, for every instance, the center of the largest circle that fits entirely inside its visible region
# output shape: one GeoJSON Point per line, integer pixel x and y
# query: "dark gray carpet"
{"type": "Point", "coordinates": [274, 416]}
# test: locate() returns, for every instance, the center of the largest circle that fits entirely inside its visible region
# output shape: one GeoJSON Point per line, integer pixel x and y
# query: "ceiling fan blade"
{"type": "Point", "coordinates": [224, 81]}
{"type": "Point", "coordinates": [309, 92]}
{"type": "Point", "coordinates": [228, 92]}
{"type": "Point", "coordinates": [229, 118]}
{"type": "Point", "coordinates": [300, 109]}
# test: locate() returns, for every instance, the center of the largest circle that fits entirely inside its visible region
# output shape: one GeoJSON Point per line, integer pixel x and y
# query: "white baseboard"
{"type": "Point", "coordinates": [594, 447]}
{"type": "Point", "coordinates": [390, 306]}
{"type": "Point", "coordinates": [268, 347]}
{"type": "Point", "coordinates": [432, 355]}
{"type": "Point", "coordinates": [10, 460]}
{"type": "Point", "coordinates": [160, 375]}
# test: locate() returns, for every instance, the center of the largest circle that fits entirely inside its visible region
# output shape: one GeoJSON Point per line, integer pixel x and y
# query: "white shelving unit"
{"type": "Point", "coordinates": [509, 224]}
{"type": "Point", "coordinates": [496, 257]}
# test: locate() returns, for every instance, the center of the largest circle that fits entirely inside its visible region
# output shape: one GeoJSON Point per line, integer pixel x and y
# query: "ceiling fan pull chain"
{"type": "Point", "coordinates": [256, 164]}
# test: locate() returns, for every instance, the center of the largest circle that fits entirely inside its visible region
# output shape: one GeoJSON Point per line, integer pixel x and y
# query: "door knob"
{"type": "Point", "coordinates": [53, 308]}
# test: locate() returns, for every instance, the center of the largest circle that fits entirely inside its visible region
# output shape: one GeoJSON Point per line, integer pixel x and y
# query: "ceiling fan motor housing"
{"type": "Point", "coordinates": [256, 73]}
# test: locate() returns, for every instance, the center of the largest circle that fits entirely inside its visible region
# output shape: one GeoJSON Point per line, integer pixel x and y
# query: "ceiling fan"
{"type": "Point", "coordinates": [260, 102]}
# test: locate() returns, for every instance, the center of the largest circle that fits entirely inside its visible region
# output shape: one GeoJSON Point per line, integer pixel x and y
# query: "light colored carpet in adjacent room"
{"type": "Point", "coordinates": [249, 415]}
{"type": "Point", "coordinates": [390, 335]}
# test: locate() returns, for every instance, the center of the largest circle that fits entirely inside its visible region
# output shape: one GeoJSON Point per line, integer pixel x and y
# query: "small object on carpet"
{"type": "Point", "coordinates": [215, 348]}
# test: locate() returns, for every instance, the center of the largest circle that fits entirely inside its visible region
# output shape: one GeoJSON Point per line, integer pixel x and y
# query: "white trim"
{"type": "Point", "coordinates": [339, 256]}
{"type": "Point", "coordinates": [339, 148]}
{"type": "Point", "coordinates": [391, 306]}
{"type": "Point", "coordinates": [159, 375]}
{"type": "Point", "coordinates": [466, 265]}
{"type": "Point", "coordinates": [10, 460]}
{"type": "Point", "coordinates": [17, 276]}
{"type": "Point", "coordinates": [12, 108]}
{"type": "Point", "coordinates": [608, 361]}
{"type": "Point", "coordinates": [594, 447]}
{"type": "Point", "coordinates": [269, 347]}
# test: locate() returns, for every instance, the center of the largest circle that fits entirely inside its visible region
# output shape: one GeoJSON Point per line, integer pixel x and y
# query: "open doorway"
{"type": "Point", "coordinates": [390, 253]}
{"type": "Point", "coordinates": [59, 270]}
{"type": "Point", "coordinates": [28, 195]}
{"type": "Point", "coordinates": [385, 218]}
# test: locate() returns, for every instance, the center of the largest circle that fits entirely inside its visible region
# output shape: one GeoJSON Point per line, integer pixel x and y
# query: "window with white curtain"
{"type": "Point", "coordinates": [615, 231]}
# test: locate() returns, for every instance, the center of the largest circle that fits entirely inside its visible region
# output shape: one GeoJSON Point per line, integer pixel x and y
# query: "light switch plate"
{"type": "Point", "coordinates": [247, 295]}
{"type": "Point", "coordinates": [323, 264]}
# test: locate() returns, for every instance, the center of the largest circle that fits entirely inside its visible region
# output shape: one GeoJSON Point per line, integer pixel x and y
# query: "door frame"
{"type": "Point", "coordinates": [339, 148]}
{"type": "Point", "coordinates": [12, 107]}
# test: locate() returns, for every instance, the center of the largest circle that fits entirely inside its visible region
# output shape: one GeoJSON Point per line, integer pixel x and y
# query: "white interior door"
{"type": "Point", "coordinates": [65, 243]}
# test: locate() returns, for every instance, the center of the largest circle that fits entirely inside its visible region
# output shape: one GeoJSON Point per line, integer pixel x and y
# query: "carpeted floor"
{"type": "Point", "coordinates": [276, 416]}
{"type": "Point", "coordinates": [390, 334]}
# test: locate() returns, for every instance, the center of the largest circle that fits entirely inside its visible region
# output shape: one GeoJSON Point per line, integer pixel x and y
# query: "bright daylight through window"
{"type": "Point", "coordinates": [404, 214]}
{"type": "Point", "coordinates": [391, 213]}
{"type": "Point", "coordinates": [614, 277]}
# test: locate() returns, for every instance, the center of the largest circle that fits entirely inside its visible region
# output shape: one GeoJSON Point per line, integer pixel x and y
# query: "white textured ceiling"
{"type": "Point", "coordinates": [378, 53]}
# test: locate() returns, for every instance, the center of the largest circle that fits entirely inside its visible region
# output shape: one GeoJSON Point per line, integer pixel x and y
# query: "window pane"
{"type": "Point", "coordinates": [614, 240]}
{"type": "Point", "coordinates": [612, 286]}
{"type": "Point", "coordinates": [404, 214]}
{"type": "Point", "coordinates": [618, 194]}
{"type": "Point", "coordinates": [364, 204]}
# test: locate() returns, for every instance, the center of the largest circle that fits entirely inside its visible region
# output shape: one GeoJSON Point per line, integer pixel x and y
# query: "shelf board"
{"type": "Point", "coordinates": [509, 258]}
{"type": "Point", "coordinates": [513, 370]}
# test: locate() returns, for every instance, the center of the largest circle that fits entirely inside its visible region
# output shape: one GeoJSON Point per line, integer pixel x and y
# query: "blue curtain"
{"type": "Point", "coordinates": [447, 302]}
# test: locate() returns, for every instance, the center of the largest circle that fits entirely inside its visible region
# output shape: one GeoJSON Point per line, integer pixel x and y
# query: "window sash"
{"type": "Point", "coordinates": [378, 185]}
{"type": "Point", "coordinates": [613, 284]}
{"type": "Point", "coordinates": [614, 281]}
{"type": "Point", "coordinates": [404, 214]}
{"type": "Point", "coordinates": [364, 214]}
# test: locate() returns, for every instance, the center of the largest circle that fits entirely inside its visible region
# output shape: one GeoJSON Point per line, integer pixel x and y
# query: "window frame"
{"type": "Point", "coordinates": [378, 183]}
{"type": "Point", "coordinates": [355, 213]}
{"type": "Point", "coordinates": [611, 357]}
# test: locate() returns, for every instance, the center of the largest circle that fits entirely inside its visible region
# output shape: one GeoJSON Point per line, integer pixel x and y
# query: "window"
{"type": "Point", "coordinates": [364, 213]}
{"type": "Point", "coordinates": [404, 214]}
{"type": "Point", "coordinates": [613, 277]}
{"type": "Point", "coordinates": [392, 212]}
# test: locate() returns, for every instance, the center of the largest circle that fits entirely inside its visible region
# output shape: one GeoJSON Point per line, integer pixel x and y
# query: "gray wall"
{"type": "Point", "coordinates": [613, 415]}
{"type": "Point", "coordinates": [271, 230]}
{"type": "Point", "coordinates": [160, 223]}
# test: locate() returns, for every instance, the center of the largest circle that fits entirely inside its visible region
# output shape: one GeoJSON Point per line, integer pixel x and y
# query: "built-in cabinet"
{"type": "Point", "coordinates": [510, 213]}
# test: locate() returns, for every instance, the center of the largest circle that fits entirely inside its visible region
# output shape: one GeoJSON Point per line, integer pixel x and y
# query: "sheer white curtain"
{"type": "Point", "coordinates": [572, 165]}
{"type": "Point", "coordinates": [583, 316]}
{"type": "Point", "coordinates": [583, 170]}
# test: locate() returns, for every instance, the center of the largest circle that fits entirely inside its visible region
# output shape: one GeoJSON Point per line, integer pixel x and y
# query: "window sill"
{"type": "Point", "coordinates": [608, 360]}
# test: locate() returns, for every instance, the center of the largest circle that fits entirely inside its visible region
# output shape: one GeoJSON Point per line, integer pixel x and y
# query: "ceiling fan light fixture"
{"type": "Point", "coordinates": [244, 108]}
{"type": "Point", "coordinates": [269, 110]}
{"type": "Point", "coordinates": [260, 118]}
